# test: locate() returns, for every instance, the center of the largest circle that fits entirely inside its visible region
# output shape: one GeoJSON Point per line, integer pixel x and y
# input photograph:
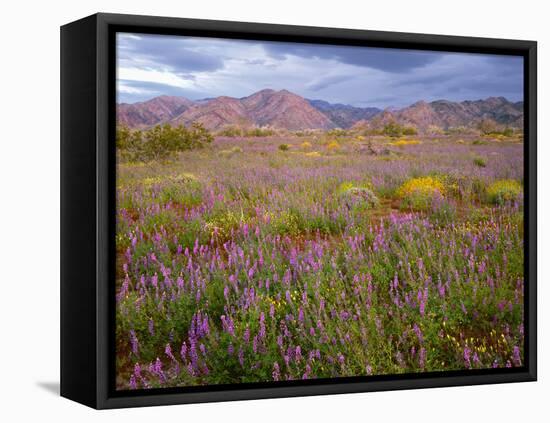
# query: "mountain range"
{"type": "Point", "coordinates": [286, 110]}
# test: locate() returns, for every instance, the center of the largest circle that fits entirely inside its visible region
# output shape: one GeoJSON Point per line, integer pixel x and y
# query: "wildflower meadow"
{"type": "Point", "coordinates": [286, 256]}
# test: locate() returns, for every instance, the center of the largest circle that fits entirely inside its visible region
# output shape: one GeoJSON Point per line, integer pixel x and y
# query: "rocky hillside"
{"type": "Point", "coordinates": [447, 114]}
{"type": "Point", "coordinates": [343, 115]}
{"type": "Point", "coordinates": [283, 109]}
{"type": "Point", "coordinates": [151, 112]}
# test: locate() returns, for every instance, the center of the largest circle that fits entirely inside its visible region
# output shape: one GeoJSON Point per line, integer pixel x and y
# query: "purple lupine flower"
{"type": "Point", "coordinates": [240, 357]}
{"type": "Point", "coordinates": [226, 292]}
{"type": "Point", "coordinates": [133, 384]}
{"type": "Point", "coordinates": [467, 355]}
{"type": "Point", "coordinates": [168, 352]}
{"type": "Point", "coordinates": [298, 353]}
{"type": "Point", "coordinates": [276, 372]}
{"type": "Point", "coordinates": [183, 351]}
{"type": "Point", "coordinates": [261, 333]}
{"type": "Point", "coordinates": [476, 360]}
{"type": "Point", "coordinates": [288, 298]}
{"type": "Point", "coordinates": [255, 344]}
{"type": "Point", "coordinates": [418, 333]}
{"type": "Point", "coordinates": [307, 372]}
{"type": "Point", "coordinates": [516, 356]}
{"type": "Point", "coordinates": [137, 371]}
{"type": "Point", "coordinates": [422, 357]}
{"type": "Point", "coordinates": [151, 327]}
{"type": "Point", "coordinates": [230, 349]}
{"type": "Point", "coordinates": [301, 315]}
{"type": "Point", "coordinates": [134, 341]}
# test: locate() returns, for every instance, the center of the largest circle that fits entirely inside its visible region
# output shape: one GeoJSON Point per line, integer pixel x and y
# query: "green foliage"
{"type": "Point", "coordinates": [358, 197]}
{"type": "Point", "coordinates": [480, 161]}
{"type": "Point", "coordinates": [337, 132]}
{"type": "Point", "coordinates": [236, 131]}
{"type": "Point", "coordinates": [479, 142]}
{"type": "Point", "coordinates": [160, 142]}
{"type": "Point", "coordinates": [503, 191]}
{"type": "Point", "coordinates": [284, 147]}
{"type": "Point", "coordinates": [394, 129]}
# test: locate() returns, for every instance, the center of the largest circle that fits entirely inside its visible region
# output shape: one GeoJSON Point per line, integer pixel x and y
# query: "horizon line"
{"type": "Point", "coordinates": [319, 99]}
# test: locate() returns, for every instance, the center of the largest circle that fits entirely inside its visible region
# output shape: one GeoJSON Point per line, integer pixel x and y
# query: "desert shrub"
{"type": "Point", "coordinates": [160, 142]}
{"type": "Point", "coordinates": [337, 132]}
{"type": "Point", "coordinates": [333, 146]}
{"type": "Point", "coordinates": [443, 211]}
{"type": "Point", "coordinates": [420, 193]}
{"type": "Point", "coordinates": [480, 162]}
{"type": "Point", "coordinates": [409, 130]}
{"type": "Point", "coordinates": [479, 142]}
{"type": "Point", "coordinates": [358, 196]}
{"type": "Point", "coordinates": [503, 191]}
{"type": "Point", "coordinates": [487, 126]}
{"type": "Point", "coordinates": [434, 130]}
{"type": "Point", "coordinates": [394, 129]}
{"type": "Point", "coordinates": [259, 132]}
{"type": "Point", "coordinates": [123, 136]}
{"type": "Point", "coordinates": [306, 145]}
{"type": "Point", "coordinates": [231, 131]}
{"type": "Point", "coordinates": [284, 147]}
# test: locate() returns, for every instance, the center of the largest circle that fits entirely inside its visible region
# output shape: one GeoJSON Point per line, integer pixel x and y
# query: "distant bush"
{"type": "Point", "coordinates": [486, 126]}
{"type": "Point", "coordinates": [479, 142]}
{"type": "Point", "coordinates": [358, 196]}
{"type": "Point", "coordinates": [231, 131]}
{"type": "Point", "coordinates": [284, 147]}
{"type": "Point", "coordinates": [259, 132]}
{"type": "Point", "coordinates": [409, 130]}
{"type": "Point", "coordinates": [480, 162]}
{"type": "Point", "coordinates": [503, 191]}
{"type": "Point", "coordinates": [393, 129]}
{"type": "Point", "coordinates": [160, 142]}
{"type": "Point", "coordinates": [235, 131]}
{"type": "Point", "coordinates": [333, 146]}
{"type": "Point", "coordinates": [420, 193]}
{"type": "Point", "coordinates": [337, 132]}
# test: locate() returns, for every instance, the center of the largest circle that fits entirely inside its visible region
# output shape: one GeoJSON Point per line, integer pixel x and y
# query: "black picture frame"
{"type": "Point", "coordinates": [87, 208]}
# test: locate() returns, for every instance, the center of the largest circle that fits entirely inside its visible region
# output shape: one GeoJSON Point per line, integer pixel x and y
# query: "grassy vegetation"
{"type": "Point", "coordinates": [238, 263]}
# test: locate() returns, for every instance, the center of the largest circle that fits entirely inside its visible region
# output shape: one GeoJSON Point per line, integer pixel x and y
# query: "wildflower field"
{"type": "Point", "coordinates": [259, 259]}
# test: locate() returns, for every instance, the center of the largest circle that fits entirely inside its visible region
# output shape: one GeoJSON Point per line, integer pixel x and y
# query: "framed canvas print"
{"type": "Point", "coordinates": [255, 211]}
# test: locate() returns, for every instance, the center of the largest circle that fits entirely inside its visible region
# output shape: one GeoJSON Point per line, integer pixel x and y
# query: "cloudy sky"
{"type": "Point", "coordinates": [194, 67]}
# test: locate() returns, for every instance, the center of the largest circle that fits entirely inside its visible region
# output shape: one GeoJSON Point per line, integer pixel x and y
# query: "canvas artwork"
{"type": "Point", "coordinates": [294, 212]}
